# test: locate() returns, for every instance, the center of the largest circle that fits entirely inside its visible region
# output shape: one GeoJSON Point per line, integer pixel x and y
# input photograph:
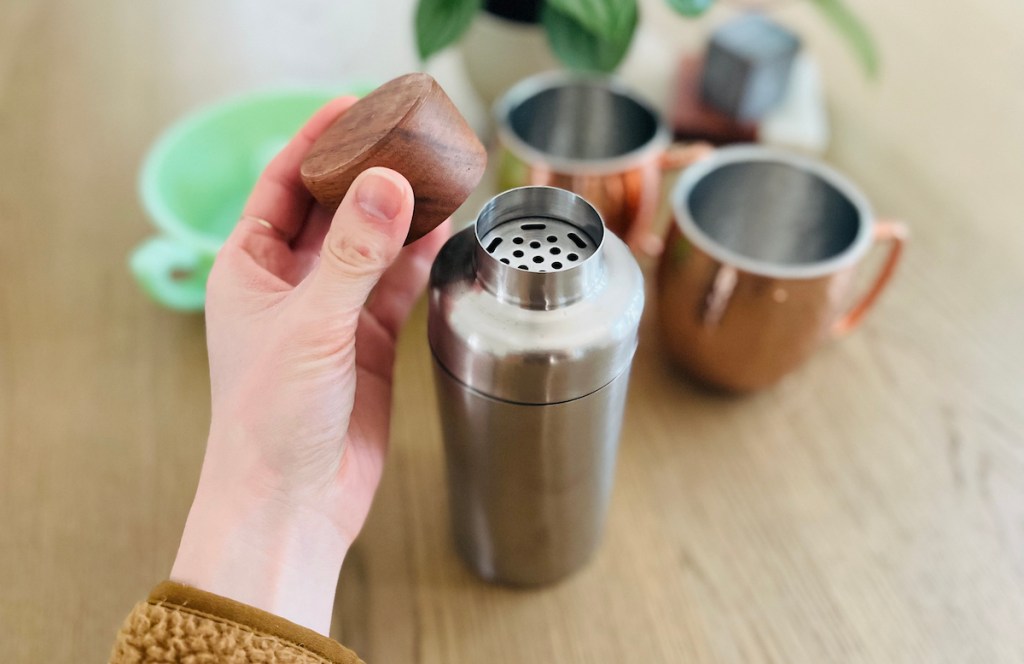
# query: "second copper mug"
{"type": "Point", "coordinates": [593, 135]}
{"type": "Point", "coordinates": [758, 265]}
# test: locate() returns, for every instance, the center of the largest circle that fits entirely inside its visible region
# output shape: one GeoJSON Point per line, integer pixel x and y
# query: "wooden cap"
{"type": "Point", "coordinates": [411, 126]}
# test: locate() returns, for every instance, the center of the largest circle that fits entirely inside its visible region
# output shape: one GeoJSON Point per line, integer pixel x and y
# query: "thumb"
{"type": "Point", "coordinates": [365, 237]}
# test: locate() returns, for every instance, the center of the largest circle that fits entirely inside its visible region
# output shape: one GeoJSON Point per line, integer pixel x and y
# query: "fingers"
{"type": "Point", "coordinates": [365, 237]}
{"type": "Point", "coordinates": [400, 287]}
{"type": "Point", "coordinates": [279, 201]}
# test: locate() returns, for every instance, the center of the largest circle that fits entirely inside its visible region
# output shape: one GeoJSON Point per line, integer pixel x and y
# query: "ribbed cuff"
{"type": "Point", "coordinates": [215, 607]}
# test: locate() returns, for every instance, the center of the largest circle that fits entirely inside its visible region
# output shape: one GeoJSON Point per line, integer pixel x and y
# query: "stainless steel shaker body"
{"type": "Point", "coordinates": [533, 323]}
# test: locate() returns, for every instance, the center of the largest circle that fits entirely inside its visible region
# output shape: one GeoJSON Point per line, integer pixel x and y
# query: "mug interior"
{"type": "Point", "coordinates": [774, 212]}
{"type": "Point", "coordinates": [583, 120]}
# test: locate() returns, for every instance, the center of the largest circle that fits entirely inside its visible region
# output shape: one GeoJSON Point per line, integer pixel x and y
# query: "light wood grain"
{"type": "Point", "coordinates": [868, 509]}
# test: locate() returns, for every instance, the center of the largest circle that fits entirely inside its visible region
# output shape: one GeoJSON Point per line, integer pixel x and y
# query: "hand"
{"type": "Point", "coordinates": [302, 314]}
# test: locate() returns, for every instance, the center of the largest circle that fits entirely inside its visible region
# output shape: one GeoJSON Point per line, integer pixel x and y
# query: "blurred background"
{"type": "Point", "coordinates": [870, 508]}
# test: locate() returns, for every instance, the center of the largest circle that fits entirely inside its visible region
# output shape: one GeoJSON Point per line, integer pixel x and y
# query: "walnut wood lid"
{"type": "Point", "coordinates": [411, 126]}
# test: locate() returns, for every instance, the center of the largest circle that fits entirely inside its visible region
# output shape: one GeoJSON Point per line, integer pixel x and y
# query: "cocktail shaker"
{"type": "Point", "coordinates": [533, 324]}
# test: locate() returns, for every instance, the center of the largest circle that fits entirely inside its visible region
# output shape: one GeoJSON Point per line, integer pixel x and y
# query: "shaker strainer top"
{"type": "Point", "coordinates": [538, 244]}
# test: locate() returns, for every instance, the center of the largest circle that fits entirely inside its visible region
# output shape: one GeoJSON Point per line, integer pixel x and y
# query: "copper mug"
{"type": "Point", "coordinates": [758, 265]}
{"type": "Point", "coordinates": [593, 135]}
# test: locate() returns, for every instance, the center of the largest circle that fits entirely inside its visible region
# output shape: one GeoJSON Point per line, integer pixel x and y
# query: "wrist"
{"type": "Point", "coordinates": [262, 551]}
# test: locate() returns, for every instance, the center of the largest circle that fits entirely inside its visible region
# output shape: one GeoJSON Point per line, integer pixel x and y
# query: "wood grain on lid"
{"type": "Point", "coordinates": [411, 126]}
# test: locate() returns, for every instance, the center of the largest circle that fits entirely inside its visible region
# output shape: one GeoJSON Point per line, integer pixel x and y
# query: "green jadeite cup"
{"type": "Point", "coordinates": [196, 177]}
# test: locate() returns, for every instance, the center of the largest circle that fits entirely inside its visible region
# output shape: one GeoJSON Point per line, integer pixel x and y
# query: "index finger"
{"type": "Point", "coordinates": [279, 197]}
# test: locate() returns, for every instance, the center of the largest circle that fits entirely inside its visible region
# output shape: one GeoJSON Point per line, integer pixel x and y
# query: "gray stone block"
{"type": "Point", "coordinates": [747, 67]}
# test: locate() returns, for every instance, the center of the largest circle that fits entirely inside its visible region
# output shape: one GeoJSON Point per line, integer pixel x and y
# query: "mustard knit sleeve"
{"type": "Point", "coordinates": [178, 623]}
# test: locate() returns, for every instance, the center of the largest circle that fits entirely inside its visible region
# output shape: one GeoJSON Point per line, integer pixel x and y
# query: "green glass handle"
{"type": "Point", "coordinates": [171, 273]}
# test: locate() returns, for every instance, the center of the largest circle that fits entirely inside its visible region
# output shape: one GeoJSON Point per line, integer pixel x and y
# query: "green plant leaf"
{"type": "Point", "coordinates": [690, 8]}
{"type": "Point", "coordinates": [579, 47]}
{"type": "Point", "coordinates": [853, 30]}
{"type": "Point", "coordinates": [602, 18]}
{"type": "Point", "coordinates": [439, 23]}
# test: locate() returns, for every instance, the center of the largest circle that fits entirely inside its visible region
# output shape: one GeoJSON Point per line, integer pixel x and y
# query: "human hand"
{"type": "Point", "coordinates": [302, 312]}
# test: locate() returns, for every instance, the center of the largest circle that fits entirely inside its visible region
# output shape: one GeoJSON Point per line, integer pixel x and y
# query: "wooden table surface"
{"type": "Point", "coordinates": [868, 509]}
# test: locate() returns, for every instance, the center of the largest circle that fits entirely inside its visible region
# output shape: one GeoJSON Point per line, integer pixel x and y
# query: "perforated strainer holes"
{"type": "Point", "coordinates": [538, 245]}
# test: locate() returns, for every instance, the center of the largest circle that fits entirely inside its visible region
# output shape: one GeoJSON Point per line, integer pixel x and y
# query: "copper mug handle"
{"type": "Point", "coordinates": [895, 233]}
{"type": "Point", "coordinates": [681, 155]}
{"type": "Point", "coordinates": [675, 157]}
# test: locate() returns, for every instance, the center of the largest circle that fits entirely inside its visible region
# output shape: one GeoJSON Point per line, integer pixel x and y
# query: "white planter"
{"type": "Point", "coordinates": [498, 52]}
{"type": "Point", "coordinates": [649, 67]}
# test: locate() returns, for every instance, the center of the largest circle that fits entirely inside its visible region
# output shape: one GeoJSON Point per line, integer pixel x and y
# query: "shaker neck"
{"type": "Point", "coordinates": [539, 247]}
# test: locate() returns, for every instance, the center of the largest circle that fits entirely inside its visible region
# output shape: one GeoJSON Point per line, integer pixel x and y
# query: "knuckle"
{"type": "Point", "coordinates": [359, 255]}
